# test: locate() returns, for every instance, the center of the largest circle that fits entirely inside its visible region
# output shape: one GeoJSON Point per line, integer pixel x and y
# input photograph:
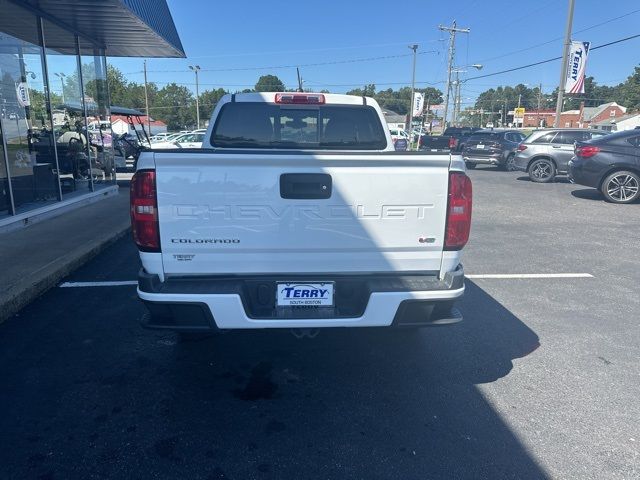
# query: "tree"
{"type": "Point", "coordinates": [209, 100]}
{"type": "Point", "coordinates": [269, 83]}
{"type": "Point", "coordinates": [175, 105]}
{"type": "Point", "coordinates": [630, 90]}
{"type": "Point", "coordinates": [398, 100]}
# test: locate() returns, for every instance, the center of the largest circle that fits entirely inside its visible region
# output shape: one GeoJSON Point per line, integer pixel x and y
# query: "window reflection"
{"type": "Point", "coordinates": [30, 163]}
{"type": "Point", "coordinates": [100, 136]}
{"type": "Point", "coordinates": [67, 101]}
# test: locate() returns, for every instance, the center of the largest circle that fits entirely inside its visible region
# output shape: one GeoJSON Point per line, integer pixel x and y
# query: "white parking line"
{"type": "Point", "coordinates": [490, 276]}
{"type": "Point", "coordinates": [98, 284]}
{"type": "Point", "coordinates": [530, 275]}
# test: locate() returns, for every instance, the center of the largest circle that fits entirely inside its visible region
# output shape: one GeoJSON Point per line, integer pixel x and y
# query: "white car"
{"type": "Point", "coordinates": [299, 213]}
{"type": "Point", "coordinates": [185, 140]}
{"type": "Point", "coordinates": [396, 134]}
{"type": "Point", "coordinates": [160, 137]}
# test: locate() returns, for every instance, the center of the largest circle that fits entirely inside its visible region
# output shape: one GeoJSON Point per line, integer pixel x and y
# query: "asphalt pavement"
{"type": "Point", "coordinates": [541, 380]}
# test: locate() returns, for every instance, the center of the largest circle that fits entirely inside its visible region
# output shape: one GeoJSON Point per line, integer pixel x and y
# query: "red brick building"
{"type": "Point", "coordinates": [581, 118]}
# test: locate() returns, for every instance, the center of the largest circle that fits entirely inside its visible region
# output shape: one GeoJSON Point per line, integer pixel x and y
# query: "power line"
{"type": "Point", "coordinates": [553, 40]}
{"type": "Point", "coordinates": [549, 60]}
{"type": "Point", "coordinates": [274, 67]}
{"type": "Point", "coordinates": [348, 47]}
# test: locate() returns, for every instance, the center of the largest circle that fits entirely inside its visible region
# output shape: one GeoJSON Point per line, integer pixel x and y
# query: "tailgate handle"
{"type": "Point", "coordinates": [305, 186]}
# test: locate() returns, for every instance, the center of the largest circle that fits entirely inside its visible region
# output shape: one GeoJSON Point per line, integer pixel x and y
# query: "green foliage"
{"type": "Point", "coordinates": [630, 90]}
{"type": "Point", "coordinates": [626, 94]}
{"type": "Point", "coordinates": [398, 100]}
{"type": "Point", "coordinates": [269, 83]}
{"type": "Point", "coordinates": [208, 101]}
{"type": "Point", "coordinates": [175, 105]}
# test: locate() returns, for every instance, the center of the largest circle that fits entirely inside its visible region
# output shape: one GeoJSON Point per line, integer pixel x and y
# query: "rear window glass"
{"type": "Point", "coordinates": [327, 127]}
{"type": "Point", "coordinates": [458, 131]}
{"type": "Point", "coordinates": [546, 138]}
{"type": "Point", "coordinates": [568, 138]}
{"type": "Point", "coordinates": [485, 137]}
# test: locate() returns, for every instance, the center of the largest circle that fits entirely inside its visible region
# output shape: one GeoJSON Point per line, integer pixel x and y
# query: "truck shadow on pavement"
{"type": "Point", "coordinates": [371, 403]}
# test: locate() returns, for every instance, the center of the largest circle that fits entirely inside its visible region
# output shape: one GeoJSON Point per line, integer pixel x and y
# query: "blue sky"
{"type": "Point", "coordinates": [242, 35]}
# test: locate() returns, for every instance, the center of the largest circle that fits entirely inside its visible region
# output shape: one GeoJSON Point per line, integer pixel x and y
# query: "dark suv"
{"type": "Point", "coordinates": [546, 153]}
{"type": "Point", "coordinates": [492, 147]}
{"type": "Point", "coordinates": [610, 164]}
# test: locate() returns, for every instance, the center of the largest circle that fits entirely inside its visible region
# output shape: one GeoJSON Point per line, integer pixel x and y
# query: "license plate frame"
{"type": "Point", "coordinates": [325, 296]}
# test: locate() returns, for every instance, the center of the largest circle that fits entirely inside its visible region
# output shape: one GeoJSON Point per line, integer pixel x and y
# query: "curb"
{"type": "Point", "coordinates": [20, 296]}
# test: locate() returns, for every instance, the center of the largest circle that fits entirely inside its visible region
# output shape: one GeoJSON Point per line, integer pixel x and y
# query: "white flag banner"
{"type": "Point", "coordinates": [577, 67]}
{"type": "Point", "coordinates": [418, 104]}
{"type": "Point", "coordinates": [22, 92]}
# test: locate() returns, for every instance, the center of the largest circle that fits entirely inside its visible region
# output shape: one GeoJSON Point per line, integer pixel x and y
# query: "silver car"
{"type": "Point", "coordinates": [546, 153]}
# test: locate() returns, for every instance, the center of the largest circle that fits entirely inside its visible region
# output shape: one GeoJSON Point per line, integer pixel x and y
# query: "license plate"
{"type": "Point", "coordinates": [305, 294]}
{"type": "Point", "coordinates": [480, 147]}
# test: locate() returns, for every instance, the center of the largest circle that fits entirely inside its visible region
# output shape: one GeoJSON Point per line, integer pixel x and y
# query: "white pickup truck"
{"type": "Point", "coordinates": [298, 213]}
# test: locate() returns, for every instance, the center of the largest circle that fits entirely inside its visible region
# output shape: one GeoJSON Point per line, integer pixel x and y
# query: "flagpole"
{"type": "Point", "coordinates": [565, 63]}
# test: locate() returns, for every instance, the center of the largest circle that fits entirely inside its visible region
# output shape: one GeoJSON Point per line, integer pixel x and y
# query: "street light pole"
{"type": "Point", "coordinates": [458, 85]}
{"type": "Point", "coordinates": [565, 63]}
{"type": "Point", "coordinates": [146, 100]}
{"type": "Point", "coordinates": [61, 77]}
{"type": "Point", "coordinates": [413, 47]}
{"type": "Point", "coordinates": [195, 69]}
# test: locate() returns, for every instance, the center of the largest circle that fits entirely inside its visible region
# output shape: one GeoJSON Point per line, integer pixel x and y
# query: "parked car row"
{"type": "Point", "coordinates": [609, 162]}
{"type": "Point", "coordinates": [192, 139]}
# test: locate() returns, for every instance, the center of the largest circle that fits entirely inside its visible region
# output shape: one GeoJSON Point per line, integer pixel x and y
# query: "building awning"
{"type": "Point", "coordinates": [123, 28]}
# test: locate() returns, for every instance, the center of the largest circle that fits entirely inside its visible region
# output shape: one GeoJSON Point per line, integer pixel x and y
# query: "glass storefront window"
{"type": "Point", "coordinates": [31, 163]}
{"type": "Point", "coordinates": [55, 131]}
{"type": "Point", "coordinates": [68, 110]}
{"type": "Point", "coordinates": [96, 97]}
{"type": "Point", "coordinates": [5, 199]}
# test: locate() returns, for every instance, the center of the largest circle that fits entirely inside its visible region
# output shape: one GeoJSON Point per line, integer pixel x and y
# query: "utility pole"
{"type": "Point", "coordinates": [565, 63]}
{"type": "Point", "coordinates": [453, 29]}
{"type": "Point", "coordinates": [146, 99]}
{"type": "Point", "coordinates": [539, 101]}
{"type": "Point", "coordinates": [458, 102]}
{"type": "Point", "coordinates": [196, 69]}
{"type": "Point", "coordinates": [299, 80]}
{"type": "Point", "coordinates": [413, 47]}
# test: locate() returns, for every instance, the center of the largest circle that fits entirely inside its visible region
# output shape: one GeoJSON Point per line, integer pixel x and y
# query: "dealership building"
{"type": "Point", "coordinates": [56, 149]}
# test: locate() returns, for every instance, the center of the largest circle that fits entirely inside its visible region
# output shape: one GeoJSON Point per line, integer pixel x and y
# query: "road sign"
{"type": "Point", "coordinates": [519, 112]}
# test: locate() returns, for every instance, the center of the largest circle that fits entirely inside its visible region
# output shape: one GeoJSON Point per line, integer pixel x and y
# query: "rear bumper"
{"type": "Point", "coordinates": [202, 304]}
{"type": "Point", "coordinates": [521, 162]}
{"type": "Point", "coordinates": [582, 176]}
{"type": "Point", "coordinates": [493, 159]}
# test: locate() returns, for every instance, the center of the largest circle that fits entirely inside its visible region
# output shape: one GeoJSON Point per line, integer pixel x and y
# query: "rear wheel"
{"type": "Point", "coordinates": [542, 171]}
{"type": "Point", "coordinates": [470, 166]}
{"type": "Point", "coordinates": [509, 164]}
{"type": "Point", "coordinates": [621, 187]}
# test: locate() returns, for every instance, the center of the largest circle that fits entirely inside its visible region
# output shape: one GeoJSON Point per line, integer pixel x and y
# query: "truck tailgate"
{"type": "Point", "coordinates": [302, 213]}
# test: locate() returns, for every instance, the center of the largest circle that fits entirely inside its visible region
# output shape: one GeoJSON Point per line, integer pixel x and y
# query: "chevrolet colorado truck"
{"type": "Point", "coordinates": [298, 213]}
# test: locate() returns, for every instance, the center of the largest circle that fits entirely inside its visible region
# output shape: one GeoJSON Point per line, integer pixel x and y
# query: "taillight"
{"type": "Point", "coordinates": [522, 148]}
{"type": "Point", "coordinates": [144, 211]}
{"type": "Point", "coordinates": [586, 151]}
{"type": "Point", "coordinates": [452, 143]}
{"type": "Point", "coordinates": [458, 211]}
{"type": "Point", "coordinates": [300, 98]}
